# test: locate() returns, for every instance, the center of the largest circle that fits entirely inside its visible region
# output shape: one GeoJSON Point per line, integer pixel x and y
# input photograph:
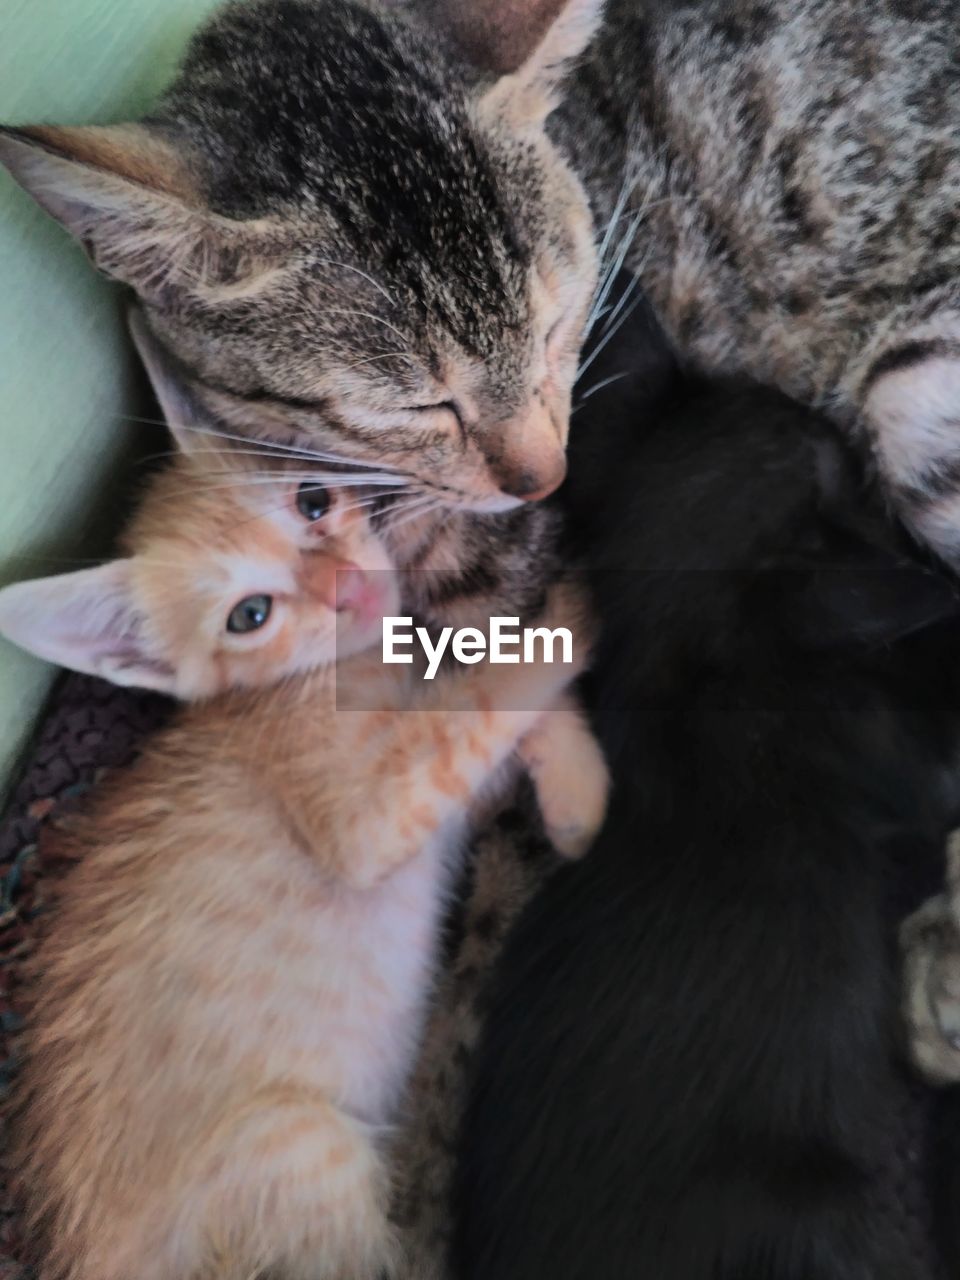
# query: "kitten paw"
{"type": "Point", "coordinates": [572, 790]}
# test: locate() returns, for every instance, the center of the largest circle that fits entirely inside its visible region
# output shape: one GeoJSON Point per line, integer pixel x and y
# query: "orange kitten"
{"type": "Point", "coordinates": [228, 1007]}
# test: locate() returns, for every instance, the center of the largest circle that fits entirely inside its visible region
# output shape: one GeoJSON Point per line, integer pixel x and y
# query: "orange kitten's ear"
{"type": "Point", "coordinates": [85, 621]}
{"type": "Point", "coordinates": [129, 196]}
{"type": "Point", "coordinates": [183, 417]}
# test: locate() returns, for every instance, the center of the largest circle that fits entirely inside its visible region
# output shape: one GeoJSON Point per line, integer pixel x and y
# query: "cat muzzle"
{"type": "Point", "coordinates": [339, 584]}
{"type": "Point", "coordinates": [533, 461]}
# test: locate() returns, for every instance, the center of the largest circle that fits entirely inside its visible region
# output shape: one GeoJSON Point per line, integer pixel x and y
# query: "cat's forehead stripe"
{"type": "Point", "coordinates": [372, 132]}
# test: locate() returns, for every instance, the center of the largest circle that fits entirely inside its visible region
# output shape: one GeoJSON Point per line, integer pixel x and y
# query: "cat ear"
{"type": "Point", "coordinates": [873, 604]}
{"type": "Point", "coordinates": [85, 621]}
{"type": "Point", "coordinates": [183, 416]}
{"type": "Point", "coordinates": [531, 43]}
{"type": "Point", "coordinates": [126, 193]}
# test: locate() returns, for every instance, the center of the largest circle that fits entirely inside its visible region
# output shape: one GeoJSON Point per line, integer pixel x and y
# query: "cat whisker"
{"type": "Point", "coordinates": [262, 446]}
{"type": "Point", "coordinates": [609, 335]}
{"type": "Point", "coordinates": [330, 480]}
{"type": "Point", "coordinates": [610, 269]}
{"type": "Point", "coordinates": [384, 355]}
{"type": "Point", "coordinates": [254, 453]}
{"type": "Point", "coordinates": [414, 510]}
{"type": "Point", "coordinates": [411, 500]}
{"type": "Point", "coordinates": [362, 503]}
{"type": "Point", "coordinates": [623, 248]}
{"type": "Point", "coordinates": [355, 505]}
{"type": "Point", "coordinates": [605, 274]}
{"type": "Point", "coordinates": [346, 266]}
{"type": "Point", "coordinates": [598, 386]}
{"type": "Point", "coordinates": [234, 482]}
{"type": "Point", "coordinates": [345, 481]}
{"type": "Point", "coordinates": [368, 315]}
{"type": "Point", "coordinates": [300, 454]}
{"type": "Point", "coordinates": [303, 455]}
{"type": "Point", "coordinates": [624, 298]}
{"type": "Point", "coordinates": [414, 515]}
{"type": "Point", "coordinates": [626, 190]}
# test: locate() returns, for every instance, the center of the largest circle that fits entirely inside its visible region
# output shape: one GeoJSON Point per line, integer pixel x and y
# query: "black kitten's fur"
{"type": "Point", "coordinates": [691, 1064]}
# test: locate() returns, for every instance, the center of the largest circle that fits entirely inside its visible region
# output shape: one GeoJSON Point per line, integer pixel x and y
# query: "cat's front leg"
{"type": "Point", "coordinates": [569, 773]}
{"type": "Point", "coordinates": [930, 944]}
{"type": "Point", "coordinates": [907, 386]}
{"type": "Point", "coordinates": [430, 762]}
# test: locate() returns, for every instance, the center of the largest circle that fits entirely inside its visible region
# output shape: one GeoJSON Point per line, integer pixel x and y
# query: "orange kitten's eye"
{"type": "Point", "coordinates": [313, 501]}
{"type": "Point", "coordinates": [249, 615]}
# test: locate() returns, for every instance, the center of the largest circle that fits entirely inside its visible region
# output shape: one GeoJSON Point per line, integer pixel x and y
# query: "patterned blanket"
{"type": "Point", "coordinates": [90, 727]}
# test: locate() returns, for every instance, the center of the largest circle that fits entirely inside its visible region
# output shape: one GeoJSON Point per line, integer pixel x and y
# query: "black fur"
{"type": "Point", "coordinates": [691, 1064]}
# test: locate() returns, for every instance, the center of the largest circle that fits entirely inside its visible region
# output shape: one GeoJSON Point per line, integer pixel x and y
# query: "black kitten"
{"type": "Point", "coordinates": [691, 1066]}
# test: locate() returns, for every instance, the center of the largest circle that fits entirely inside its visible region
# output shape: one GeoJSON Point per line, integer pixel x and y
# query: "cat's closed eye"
{"type": "Point", "coordinates": [250, 614]}
{"type": "Point", "coordinates": [442, 406]}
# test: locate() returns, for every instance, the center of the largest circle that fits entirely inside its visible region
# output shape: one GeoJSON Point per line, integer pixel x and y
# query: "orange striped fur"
{"type": "Point", "coordinates": [232, 998]}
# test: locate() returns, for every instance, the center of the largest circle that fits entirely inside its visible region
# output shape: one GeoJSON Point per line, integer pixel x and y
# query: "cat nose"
{"type": "Point", "coordinates": [533, 462]}
{"type": "Point", "coordinates": [338, 584]}
{"type": "Point", "coordinates": [354, 590]}
{"type": "Point", "coordinates": [531, 486]}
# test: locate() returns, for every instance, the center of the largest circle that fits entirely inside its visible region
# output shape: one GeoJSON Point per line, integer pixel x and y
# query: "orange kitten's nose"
{"type": "Point", "coordinates": [331, 581]}
{"type": "Point", "coordinates": [342, 585]}
{"type": "Point", "coordinates": [355, 590]}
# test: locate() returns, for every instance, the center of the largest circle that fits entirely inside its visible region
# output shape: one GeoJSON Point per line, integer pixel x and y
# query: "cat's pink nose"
{"type": "Point", "coordinates": [354, 590]}
{"type": "Point", "coordinates": [338, 584]}
{"type": "Point", "coordinates": [343, 586]}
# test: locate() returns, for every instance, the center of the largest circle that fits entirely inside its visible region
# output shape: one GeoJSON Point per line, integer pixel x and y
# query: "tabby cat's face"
{"type": "Point", "coordinates": [342, 240]}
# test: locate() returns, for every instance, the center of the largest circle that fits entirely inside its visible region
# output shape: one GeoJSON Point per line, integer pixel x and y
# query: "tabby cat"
{"type": "Point", "coordinates": [225, 1014]}
{"type": "Point", "coordinates": [349, 231]}
{"type": "Point", "coordinates": [342, 241]}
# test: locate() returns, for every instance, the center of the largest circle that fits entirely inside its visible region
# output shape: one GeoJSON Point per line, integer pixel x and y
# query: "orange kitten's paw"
{"type": "Point", "coordinates": [574, 804]}
{"type": "Point", "coordinates": [570, 774]}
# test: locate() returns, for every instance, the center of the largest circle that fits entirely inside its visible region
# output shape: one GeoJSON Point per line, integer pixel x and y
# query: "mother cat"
{"type": "Point", "coordinates": [329, 210]}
